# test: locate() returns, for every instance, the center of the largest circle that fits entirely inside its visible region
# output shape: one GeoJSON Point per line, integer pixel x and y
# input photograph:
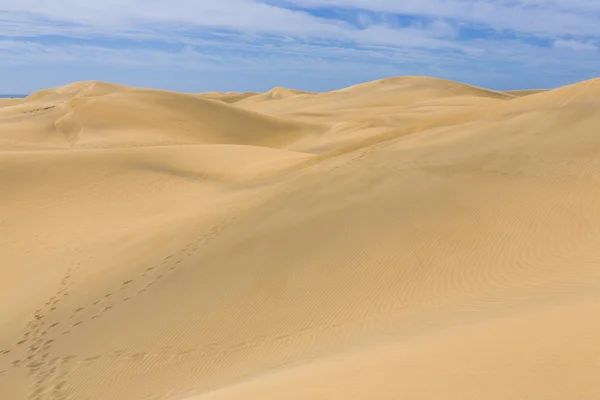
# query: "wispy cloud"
{"type": "Point", "coordinates": [575, 45]}
{"type": "Point", "coordinates": [491, 39]}
{"type": "Point", "coordinates": [540, 17]}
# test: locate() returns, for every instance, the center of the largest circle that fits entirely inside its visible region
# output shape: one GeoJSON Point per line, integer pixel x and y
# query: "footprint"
{"type": "Point", "coordinates": [35, 365]}
{"type": "Point", "coordinates": [36, 394]}
{"type": "Point", "coordinates": [118, 353]}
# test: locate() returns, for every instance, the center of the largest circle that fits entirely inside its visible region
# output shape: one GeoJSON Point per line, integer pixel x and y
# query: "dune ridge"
{"type": "Point", "coordinates": [96, 114]}
{"type": "Point", "coordinates": [229, 97]}
{"type": "Point", "coordinates": [410, 237]}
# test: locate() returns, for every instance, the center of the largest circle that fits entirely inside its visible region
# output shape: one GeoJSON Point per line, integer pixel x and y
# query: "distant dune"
{"type": "Point", "coordinates": [230, 97]}
{"type": "Point", "coordinates": [408, 238]}
{"type": "Point", "coordinates": [277, 93]}
{"type": "Point", "coordinates": [523, 93]}
{"type": "Point", "coordinates": [95, 114]}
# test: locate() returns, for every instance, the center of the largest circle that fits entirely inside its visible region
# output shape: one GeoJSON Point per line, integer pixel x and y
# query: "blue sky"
{"type": "Point", "coordinates": [239, 45]}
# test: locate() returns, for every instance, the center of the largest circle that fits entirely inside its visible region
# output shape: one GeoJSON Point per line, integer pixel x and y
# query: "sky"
{"type": "Point", "coordinates": [316, 45]}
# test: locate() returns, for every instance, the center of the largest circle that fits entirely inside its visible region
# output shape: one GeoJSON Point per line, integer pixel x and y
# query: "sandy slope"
{"type": "Point", "coordinates": [523, 93]}
{"type": "Point", "coordinates": [406, 238]}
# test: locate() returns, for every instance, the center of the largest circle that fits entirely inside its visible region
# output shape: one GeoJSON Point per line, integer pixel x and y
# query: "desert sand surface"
{"type": "Point", "coordinates": [408, 238]}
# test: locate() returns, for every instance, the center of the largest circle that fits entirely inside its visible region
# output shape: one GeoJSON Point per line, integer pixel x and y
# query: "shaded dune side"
{"type": "Point", "coordinates": [103, 115]}
{"type": "Point", "coordinates": [184, 119]}
{"type": "Point", "coordinates": [229, 97]}
{"type": "Point", "coordinates": [523, 93]}
{"type": "Point", "coordinates": [37, 177]}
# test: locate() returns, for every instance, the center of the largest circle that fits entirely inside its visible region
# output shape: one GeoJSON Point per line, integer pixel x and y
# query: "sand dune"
{"type": "Point", "coordinates": [386, 93]}
{"type": "Point", "coordinates": [229, 97]}
{"type": "Point", "coordinates": [8, 102]}
{"type": "Point", "coordinates": [93, 114]}
{"type": "Point", "coordinates": [407, 238]}
{"type": "Point", "coordinates": [582, 92]}
{"type": "Point", "coordinates": [277, 93]}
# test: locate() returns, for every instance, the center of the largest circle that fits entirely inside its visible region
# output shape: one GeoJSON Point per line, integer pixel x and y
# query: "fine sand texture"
{"type": "Point", "coordinates": [409, 238]}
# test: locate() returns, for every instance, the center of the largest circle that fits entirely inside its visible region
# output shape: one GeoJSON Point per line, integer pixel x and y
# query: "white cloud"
{"type": "Point", "coordinates": [160, 20]}
{"type": "Point", "coordinates": [538, 17]}
{"type": "Point", "coordinates": [141, 17]}
{"type": "Point", "coordinates": [242, 34]}
{"type": "Point", "coordinates": [130, 16]}
{"type": "Point", "coordinates": [575, 45]}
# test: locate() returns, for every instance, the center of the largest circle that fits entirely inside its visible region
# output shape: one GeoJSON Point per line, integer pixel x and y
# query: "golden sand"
{"type": "Point", "coordinates": [409, 238]}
